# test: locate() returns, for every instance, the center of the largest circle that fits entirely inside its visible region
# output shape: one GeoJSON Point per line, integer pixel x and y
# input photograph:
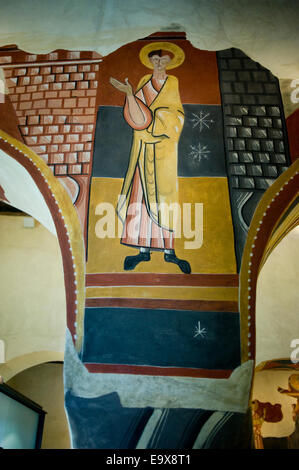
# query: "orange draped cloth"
{"type": "Point", "coordinates": [140, 229]}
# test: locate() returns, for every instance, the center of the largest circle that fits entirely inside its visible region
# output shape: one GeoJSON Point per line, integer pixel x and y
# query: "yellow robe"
{"type": "Point", "coordinates": [155, 151]}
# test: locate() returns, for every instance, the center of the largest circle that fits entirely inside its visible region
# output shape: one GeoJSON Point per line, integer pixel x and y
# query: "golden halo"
{"type": "Point", "coordinates": [178, 59]}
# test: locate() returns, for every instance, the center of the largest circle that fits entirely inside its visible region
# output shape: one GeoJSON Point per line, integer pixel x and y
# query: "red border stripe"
{"type": "Point", "coordinates": [198, 305]}
{"type": "Point", "coordinates": [148, 279]}
{"type": "Point", "coordinates": [158, 371]}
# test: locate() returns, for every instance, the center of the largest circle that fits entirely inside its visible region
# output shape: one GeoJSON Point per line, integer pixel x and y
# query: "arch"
{"type": "Point", "coordinates": [56, 212]}
{"type": "Point", "coordinates": [277, 208]}
{"type": "Point", "coordinates": [21, 363]}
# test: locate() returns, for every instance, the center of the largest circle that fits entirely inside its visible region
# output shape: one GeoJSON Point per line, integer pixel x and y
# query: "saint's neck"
{"type": "Point", "coordinates": [157, 75]}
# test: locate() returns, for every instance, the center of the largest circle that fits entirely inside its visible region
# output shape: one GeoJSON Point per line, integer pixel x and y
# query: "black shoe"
{"type": "Point", "coordinates": [183, 265]}
{"type": "Point", "coordinates": [132, 261]}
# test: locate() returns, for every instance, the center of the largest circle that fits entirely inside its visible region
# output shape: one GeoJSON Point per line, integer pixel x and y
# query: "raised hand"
{"type": "Point", "coordinates": [123, 87]}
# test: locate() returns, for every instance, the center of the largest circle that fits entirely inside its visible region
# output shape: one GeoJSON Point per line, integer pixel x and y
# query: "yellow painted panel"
{"type": "Point", "coordinates": [216, 254]}
{"type": "Point", "coordinates": [174, 293]}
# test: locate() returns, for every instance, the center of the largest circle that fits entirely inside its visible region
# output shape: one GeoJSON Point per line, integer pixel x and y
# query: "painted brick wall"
{"type": "Point", "coordinates": [54, 97]}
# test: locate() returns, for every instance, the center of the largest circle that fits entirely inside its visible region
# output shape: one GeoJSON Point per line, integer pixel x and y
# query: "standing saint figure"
{"type": "Point", "coordinates": [149, 198]}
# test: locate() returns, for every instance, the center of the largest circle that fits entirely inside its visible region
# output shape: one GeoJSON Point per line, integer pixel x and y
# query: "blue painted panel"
{"type": "Point", "coordinates": [201, 147]}
{"type": "Point", "coordinates": [165, 338]}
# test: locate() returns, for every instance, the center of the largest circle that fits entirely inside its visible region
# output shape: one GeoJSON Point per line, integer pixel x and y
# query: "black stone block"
{"type": "Point", "coordinates": [268, 99]}
{"type": "Point", "coordinates": [233, 121]}
{"type": "Point", "coordinates": [259, 133]}
{"type": "Point", "coordinates": [249, 121]}
{"type": "Point", "coordinates": [271, 88]}
{"type": "Point", "coordinates": [246, 157]}
{"type": "Point", "coordinates": [226, 87]}
{"type": "Point", "coordinates": [240, 110]}
{"type": "Point", "coordinates": [249, 64]}
{"type": "Point", "coordinates": [248, 99]}
{"type": "Point", "coordinates": [267, 145]}
{"type": "Point", "coordinates": [253, 144]}
{"type": "Point", "coordinates": [228, 76]}
{"type": "Point", "coordinates": [239, 87]}
{"type": "Point", "coordinates": [244, 132]}
{"type": "Point", "coordinates": [234, 64]}
{"type": "Point", "coordinates": [258, 110]}
{"type": "Point", "coordinates": [244, 76]}
{"type": "Point", "coordinates": [225, 53]}
{"type": "Point", "coordinates": [262, 157]}
{"type": "Point", "coordinates": [233, 157]}
{"type": "Point", "coordinates": [275, 133]}
{"type": "Point", "coordinates": [246, 183]}
{"type": "Point", "coordinates": [265, 122]}
{"type": "Point", "coordinates": [239, 144]}
{"type": "Point", "coordinates": [231, 131]}
{"type": "Point", "coordinates": [237, 170]}
{"type": "Point", "coordinates": [254, 170]}
{"type": "Point", "coordinates": [273, 111]}
{"type": "Point", "coordinates": [255, 88]}
{"type": "Point", "coordinates": [231, 99]}
{"type": "Point", "coordinates": [259, 76]}
{"type": "Point", "coordinates": [279, 146]}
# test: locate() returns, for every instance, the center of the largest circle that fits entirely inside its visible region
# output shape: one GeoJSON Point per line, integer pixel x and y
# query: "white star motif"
{"type": "Point", "coordinates": [199, 331]}
{"type": "Point", "coordinates": [201, 120]}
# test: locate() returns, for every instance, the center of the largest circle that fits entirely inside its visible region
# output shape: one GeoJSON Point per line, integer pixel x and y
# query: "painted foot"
{"type": "Point", "coordinates": [132, 261]}
{"type": "Point", "coordinates": [183, 264]}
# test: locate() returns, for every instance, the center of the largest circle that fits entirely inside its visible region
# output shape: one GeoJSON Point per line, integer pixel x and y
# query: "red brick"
{"type": "Point", "coordinates": [60, 170]}
{"type": "Point", "coordinates": [25, 97]}
{"type": "Point", "coordinates": [94, 84]}
{"type": "Point", "coordinates": [64, 148]}
{"type": "Point", "coordinates": [92, 102]}
{"type": "Point", "coordinates": [37, 80]}
{"type": "Point", "coordinates": [57, 69]}
{"type": "Point", "coordinates": [95, 67]}
{"type": "Point", "coordinates": [52, 167]}
{"type": "Point", "coordinates": [68, 86]}
{"type": "Point", "coordinates": [73, 55]}
{"type": "Point", "coordinates": [77, 111]}
{"type": "Point", "coordinates": [71, 68]}
{"type": "Point", "coordinates": [79, 92]}
{"type": "Point", "coordinates": [64, 94]}
{"type": "Point", "coordinates": [86, 137]}
{"type": "Point", "coordinates": [85, 169]}
{"type": "Point", "coordinates": [81, 119]}
{"type": "Point", "coordinates": [51, 129]}
{"type": "Point", "coordinates": [22, 121]}
{"type": "Point", "coordinates": [89, 110]}
{"type": "Point", "coordinates": [39, 104]}
{"type": "Point", "coordinates": [38, 96]}
{"type": "Point", "coordinates": [71, 157]}
{"type": "Point", "coordinates": [84, 68]}
{"type": "Point", "coordinates": [26, 105]}
{"type": "Point", "coordinates": [33, 120]}
{"type": "Point", "coordinates": [54, 103]}
{"type": "Point", "coordinates": [76, 76]}
{"type": "Point", "coordinates": [75, 169]}
{"type": "Point", "coordinates": [82, 85]}
{"type": "Point", "coordinates": [91, 92]}
{"type": "Point", "coordinates": [45, 139]}
{"type": "Point", "coordinates": [49, 78]}
{"type": "Point", "coordinates": [24, 130]}
{"type": "Point", "coordinates": [51, 94]}
{"type": "Point", "coordinates": [83, 102]}
{"type": "Point", "coordinates": [30, 112]}
{"type": "Point", "coordinates": [84, 157]}
{"type": "Point", "coordinates": [20, 89]}
{"type": "Point", "coordinates": [53, 148]}
{"type": "Point", "coordinates": [59, 119]}
{"type": "Point", "coordinates": [44, 111]}
{"type": "Point", "coordinates": [78, 128]}
{"type": "Point", "coordinates": [33, 71]}
{"type": "Point", "coordinates": [88, 146]}
{"type": "Point", "coordinates": [45, 70]}
{"type": "Point", "coordinates": [89, 128]}
{"type": "Point", "coordinates": [39, 148]}
{"type": "Point", "coordinates": [56, 86]}
{"type": "Point", "coordinates": [58, 139]}
{"type": "Point", "coordinates": [63, 77]}
{"type": "Point", "coordinates": [61, 111]}
{"type": "Point", "coordinates": [23, 81]}
{"type": "Point", "coordinates": [77, 147]}
{"type": "Point", "coordinates": [72, 138]}
{"type": "Point", "coordinates": [20, 113]}
{"type": "Point", "coordinates": [70, 103]}
{"type": "Point", "coordinates": [8, 73]}
{"type": "Point", "coordinates": [19, 72]}
{"type": "Point", "coordinates": [31, 140]}
{"type": "Point", "coordinates": [36, 130]}
{"type": "Point", "coordinates": [90, 76]}
{"type": "Point", "coordinates": [31, 88]}
{"type": "Point", "coordinates": [43, 87]}
{"type": "Point", "coordinates": [65, 129]}
{"type": "Point", "coordinates": [57, 158]}
{"type": "Point", "coordinates": [14, 98]}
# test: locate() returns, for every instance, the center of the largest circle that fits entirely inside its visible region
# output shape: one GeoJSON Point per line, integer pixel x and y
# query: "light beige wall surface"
{"type": "Point", "coordinates": [44, 385]}
{"type": "Point", "coordinates": [32, 295]}
{"type": "Point", "coordinates": [277, 301]}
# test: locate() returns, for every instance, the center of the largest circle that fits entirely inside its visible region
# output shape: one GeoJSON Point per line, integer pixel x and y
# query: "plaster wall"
{"type": "Point", "coordinates": [44, 385]}
{"type": "Point", "coordinates": [277, 301]}
{"type": "Point", "coordinates": [32, 307]}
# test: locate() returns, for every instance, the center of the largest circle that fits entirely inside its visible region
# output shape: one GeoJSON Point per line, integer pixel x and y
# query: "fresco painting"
{"type": "Point", "coordinates": [272, 413]}
{"type": "Point", "coordinates": [165, 151]}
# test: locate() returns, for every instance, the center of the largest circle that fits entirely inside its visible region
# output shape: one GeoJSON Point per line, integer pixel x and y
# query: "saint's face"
{"type": "Point", "coordinates": [160, 63]}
